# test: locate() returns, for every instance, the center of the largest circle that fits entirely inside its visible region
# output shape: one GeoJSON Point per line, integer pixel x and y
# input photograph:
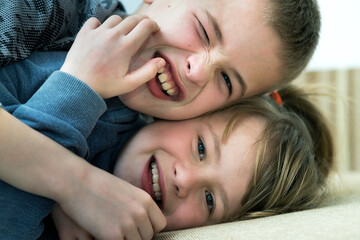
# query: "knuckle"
{"type": "Point", "coordinates": [113, 233]}
{"type": "Point", "coordinates": [115, 17]}
{"type": "Point", "coordinates": [147, 199]}
{"type": "Point", "coordinates": [140, 213]}
{"type": "Point", "coordinates": [92, 20]}
{"type": "Point", "coordinates": [147, 24]}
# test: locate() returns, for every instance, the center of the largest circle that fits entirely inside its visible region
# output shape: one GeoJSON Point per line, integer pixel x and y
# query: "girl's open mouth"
{"type": "Point", "coordinates": [151, 182]}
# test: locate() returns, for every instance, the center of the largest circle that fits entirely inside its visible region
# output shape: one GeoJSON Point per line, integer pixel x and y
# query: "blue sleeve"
{"type": "Point", "coordinates": [64, 109]}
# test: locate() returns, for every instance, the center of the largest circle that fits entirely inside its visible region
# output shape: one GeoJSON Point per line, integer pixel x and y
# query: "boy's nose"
{"type": "Point", "coordinates": [198, 69]}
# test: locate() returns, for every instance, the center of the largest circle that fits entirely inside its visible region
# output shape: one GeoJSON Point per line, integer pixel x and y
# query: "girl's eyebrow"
{"type": "Point", "coordinates": [216, 140]}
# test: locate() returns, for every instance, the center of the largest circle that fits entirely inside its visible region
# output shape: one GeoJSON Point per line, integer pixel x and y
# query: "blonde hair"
{"type": "Point", "coordinates": [294, 158]}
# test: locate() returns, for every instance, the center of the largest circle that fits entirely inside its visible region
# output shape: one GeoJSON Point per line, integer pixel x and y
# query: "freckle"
{"type": "Point", "coordinates": [169, 5]}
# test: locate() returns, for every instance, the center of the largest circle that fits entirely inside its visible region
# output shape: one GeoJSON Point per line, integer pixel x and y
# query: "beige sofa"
{"type": "Point", "coordinates": [338, 218]}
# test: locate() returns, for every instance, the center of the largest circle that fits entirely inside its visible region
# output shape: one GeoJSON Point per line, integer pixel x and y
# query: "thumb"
{"type": "Point", "coordinates": [145, 73]}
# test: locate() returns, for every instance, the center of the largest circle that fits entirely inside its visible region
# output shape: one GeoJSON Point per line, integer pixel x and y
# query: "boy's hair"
{"type": "Point", "coordinates": [294, 158]}
{"type": "Point", "coordinates": [297, 23]}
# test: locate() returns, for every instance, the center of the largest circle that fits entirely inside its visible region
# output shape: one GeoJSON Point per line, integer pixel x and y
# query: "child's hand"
{"type": "Point", "coordinates": [66, 227]}
{"type": "Point", "coordinates": [101, 54]}
{"type": "Point", "coordinates": [111, 208]}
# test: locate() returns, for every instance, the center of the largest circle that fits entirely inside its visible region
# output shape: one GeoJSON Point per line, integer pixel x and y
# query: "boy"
{"type": "Point", "coordinates": [199, 75]}
{"type": "Point", "coordinates": [219, 61]}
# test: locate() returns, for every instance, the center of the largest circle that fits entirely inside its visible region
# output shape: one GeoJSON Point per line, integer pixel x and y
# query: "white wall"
{"type": "Point", "coordinates": [131, 5]}
{"type": "Point", "coordinates": [339, 45]}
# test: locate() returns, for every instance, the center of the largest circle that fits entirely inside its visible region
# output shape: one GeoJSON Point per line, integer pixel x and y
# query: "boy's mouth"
{"type": "Point", "coordinates": [165, 84]}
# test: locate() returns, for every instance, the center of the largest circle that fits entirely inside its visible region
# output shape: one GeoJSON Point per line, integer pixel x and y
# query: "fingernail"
{"type": "Point", "coordinates": [161, 63]}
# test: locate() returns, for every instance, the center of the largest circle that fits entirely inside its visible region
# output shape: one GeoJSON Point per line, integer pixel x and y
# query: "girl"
{"type": "Point", "coordinates": [263, 156]}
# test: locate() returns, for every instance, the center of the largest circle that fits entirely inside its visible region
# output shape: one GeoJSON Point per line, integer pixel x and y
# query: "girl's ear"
{"type": "Point", "coordinates": [148, 1]}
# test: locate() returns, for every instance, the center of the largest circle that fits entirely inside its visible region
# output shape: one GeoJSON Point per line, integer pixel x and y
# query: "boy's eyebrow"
{"type": "Point", "coordinates": [217, 148]}
{"type": "Point", "coordinates": [241, 81]}
{"type": "Point", "coordinates": [215, 25]}
{"type": "Point", "coordinates": [219, 37]}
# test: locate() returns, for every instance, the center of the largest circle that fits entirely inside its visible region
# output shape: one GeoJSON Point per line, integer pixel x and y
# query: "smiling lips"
{"type": "Point", "coordinates": [165, 85]}
{"type": "Point", "coordinates": [151, 181]}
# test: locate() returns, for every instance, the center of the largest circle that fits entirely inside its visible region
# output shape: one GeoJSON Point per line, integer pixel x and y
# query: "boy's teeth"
{"type": "Point", "coordinates": [171, 91]}
{"type": "Point", "coordinates": [161, 70]}
{"type": "Point", "coordinates": [163, 77]}
{"type": "Point", "coordinates": [166, 86]}
{"type": "Point", "coordinates": [155, 178]}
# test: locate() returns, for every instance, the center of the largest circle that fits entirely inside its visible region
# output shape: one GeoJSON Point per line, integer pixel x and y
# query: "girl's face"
{"type": "Point", "coordinates": [195, 178]}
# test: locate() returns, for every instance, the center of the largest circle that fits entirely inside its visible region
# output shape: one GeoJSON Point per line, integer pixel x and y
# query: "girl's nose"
{"type": "Point", "coordinates": [186, 179]}
{"type": "Point", "coordinates": [198, 70]}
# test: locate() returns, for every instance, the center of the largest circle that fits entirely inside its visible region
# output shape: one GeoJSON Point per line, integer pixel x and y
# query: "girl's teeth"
{"type": "Point", "coordinates": [158, 195]}
{"type": "Point", "coordinates": [156, 187]}
{"type": "Point", "coordinates": [155, 178]}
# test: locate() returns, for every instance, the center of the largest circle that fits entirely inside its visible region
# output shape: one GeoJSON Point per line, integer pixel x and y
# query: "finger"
{"type": "Point", "coordinates": [91, 23]}
{"type": "Point", "coordinates": [146, 229]}
{"type": "Point", "coordinates": [145, 72]}
{"type": "Point", "coordinates": [133, 233]}
{"type": "Point", "coordinates": [129, 23]}
{"type": "Point", "coordinates": [85, 236]}
{"type": "Point", "coordinates": [142, 32]}
{"type": "Point", "coordinates": [157, 219]}
{"type": "Point", "coordinates": [112, 21]}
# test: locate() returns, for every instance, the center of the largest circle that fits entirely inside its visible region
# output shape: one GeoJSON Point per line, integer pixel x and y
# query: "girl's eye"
{"type": "Point", "coordinates": [227, 81]}
{"type": "Point", "coordinates": [209, 201]}
{"type": "Point", "coordinates": [201, 149]}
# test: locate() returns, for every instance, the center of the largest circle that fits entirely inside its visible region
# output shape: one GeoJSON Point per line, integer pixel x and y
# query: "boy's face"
{"type": "Point", "coordinates": [216, 51]}
{"type": "Point", "coordinates": [200, 180]}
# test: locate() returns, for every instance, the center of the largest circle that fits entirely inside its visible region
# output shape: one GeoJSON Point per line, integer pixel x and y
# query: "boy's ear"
{"type": "Point", "coordinates": [148, 1]}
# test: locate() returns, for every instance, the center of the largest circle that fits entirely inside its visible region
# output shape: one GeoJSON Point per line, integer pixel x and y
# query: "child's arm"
{"type": "Point", "coordinates": [45, 168]}
{"type": "Point", "coordinates": [101, 54]}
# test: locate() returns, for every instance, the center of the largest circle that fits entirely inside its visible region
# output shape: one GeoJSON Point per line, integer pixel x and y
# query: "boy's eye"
{"type": "Point", "coordinates": [201, 149]}
{"type": "Point", "coordinates": [227, 81]}
{"type": "Point", "coordinates": [205, 33]}
{"type": "Point", "coordinates": [209, 201]}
